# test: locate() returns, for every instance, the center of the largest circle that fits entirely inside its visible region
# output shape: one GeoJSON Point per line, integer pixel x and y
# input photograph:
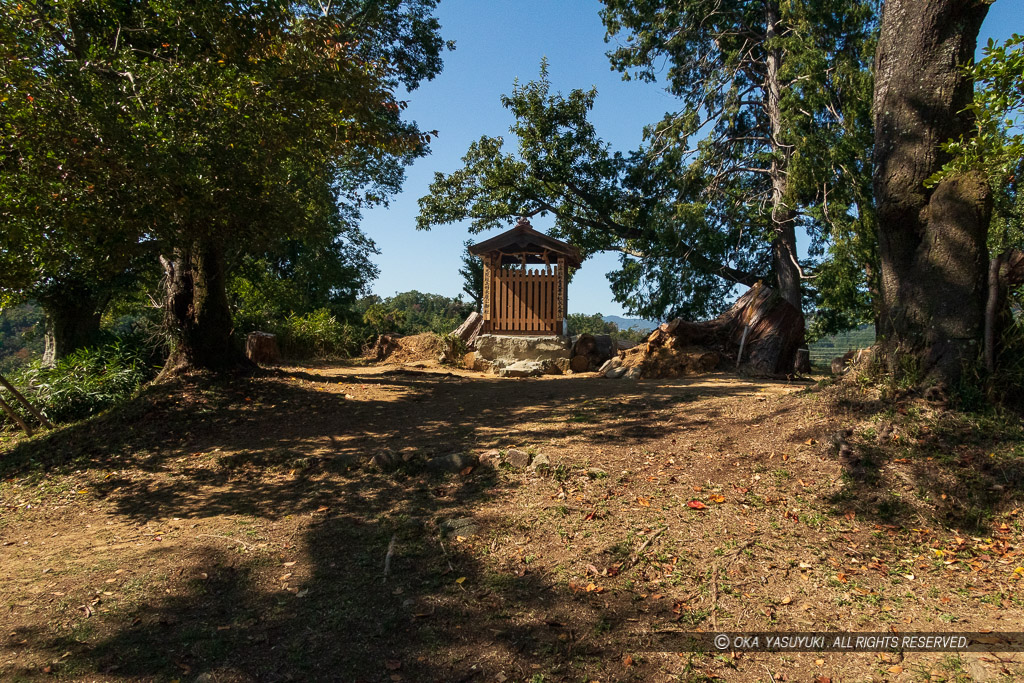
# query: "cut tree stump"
{"type": "Point", "coordinates": [261, 348]}
{"type": "Point", "coordinates": [470, 328]}
{"type": "Point", "coordinates": [580, 363]}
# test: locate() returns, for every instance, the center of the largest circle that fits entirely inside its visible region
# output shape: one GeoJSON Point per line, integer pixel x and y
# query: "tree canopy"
{"type": "Point", "coordinates": [771, 134]}
{"type": "Point", "coordinates": [198, 131]}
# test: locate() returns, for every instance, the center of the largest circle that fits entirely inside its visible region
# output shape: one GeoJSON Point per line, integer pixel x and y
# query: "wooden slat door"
{"type": "Point", "coordinates": [522, 301]}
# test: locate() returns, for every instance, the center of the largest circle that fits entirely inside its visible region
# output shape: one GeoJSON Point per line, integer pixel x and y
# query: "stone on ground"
{"type": "Point", "coordinates": [517, 458]}
{"type": "Point", "coordinates": [523, 368]}
{"type": "Point", "coordinates": [453, 462]}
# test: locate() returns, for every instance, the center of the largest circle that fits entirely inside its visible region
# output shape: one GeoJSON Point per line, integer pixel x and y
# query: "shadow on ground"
{"type": "Point", "coordinates": [314, 604]}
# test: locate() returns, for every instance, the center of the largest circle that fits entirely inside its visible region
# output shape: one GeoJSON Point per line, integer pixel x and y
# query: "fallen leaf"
{"type": "Point", "coordinates": [289, 564]}
{"type": "Point", "coordinates": [466, 471]}
{"type": "Point", "coordinates": [895, 669]}
{"type": "Point", "coordinates": [393, 664]}
{"type": "Point", "coordinates": [460, 579]}
{"type": "Point", "coordinates": [627, 661]}
{"type": "Point", "coordinates": [717, 499]}
{"type": "Point", "coordinates": [644, 502]}
{"type": "Point", "coordinates": [697, 505]}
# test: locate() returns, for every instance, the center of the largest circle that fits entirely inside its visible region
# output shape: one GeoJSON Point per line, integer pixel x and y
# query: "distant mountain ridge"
{"type": "Point", "coordinates": [626, 323]}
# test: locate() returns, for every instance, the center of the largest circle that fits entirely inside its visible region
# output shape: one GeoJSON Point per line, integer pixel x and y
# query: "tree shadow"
{"type": "Point", "coordinates": [315, 604]}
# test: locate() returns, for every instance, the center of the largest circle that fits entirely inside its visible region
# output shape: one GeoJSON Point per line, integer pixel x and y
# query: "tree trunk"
{"type": "Point", "coordinates": [1006, 272]}
{"type": "Point", "coordinates": [932, 242]}
{"type": "Point", "coordinates": [784, 253]}
{"type": "Point", "coordinates": [196, 312]}
{"type": "Point", "coordinates": [72, 322]}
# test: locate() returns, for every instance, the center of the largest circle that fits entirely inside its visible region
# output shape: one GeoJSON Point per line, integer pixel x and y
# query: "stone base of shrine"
{"type": "Point", "coordinates": [520, 355]}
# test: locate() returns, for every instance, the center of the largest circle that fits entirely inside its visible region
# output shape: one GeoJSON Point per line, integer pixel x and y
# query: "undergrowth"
{"type": "Point", "coordinates": [87, 381]}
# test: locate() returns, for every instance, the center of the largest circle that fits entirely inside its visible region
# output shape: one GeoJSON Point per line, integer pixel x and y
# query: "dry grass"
{"type": "Point", "coordinates": [238, 532]}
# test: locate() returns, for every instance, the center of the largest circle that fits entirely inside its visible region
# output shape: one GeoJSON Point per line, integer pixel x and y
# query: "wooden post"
{"type": "Point", "coordinates": [563, 296]}
{"type": "Point", "coordinates": [13, 414]}
{"type": "Point", "coordinates": [24, 401]}
{"type": "Point", "coordinates": [485, 308]}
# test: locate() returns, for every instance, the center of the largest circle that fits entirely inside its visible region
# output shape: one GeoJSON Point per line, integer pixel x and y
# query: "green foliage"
{"type": "Point", "coordinates": [414, 312]}
{"type": "Point", "coordinates": [238, 129]}
{"type": "Point", "coordinates": [472, 272]}
{"type": "Point", "coordinates": [996, 146]}
{"type": "Point", "coordinates": [580, 323]}
{"type": "Point", "coordinates": [382, 319]}
{"type": "Point", "coordinates": [20, 335]}
{"type": "Point", "coordinates": [318, 335]}
{"type": "Point", "coordinates": [87, 381]}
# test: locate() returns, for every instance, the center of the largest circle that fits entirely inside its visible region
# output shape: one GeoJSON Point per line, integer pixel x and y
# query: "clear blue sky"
{"type": "Point", "coordinates": [498, 41]}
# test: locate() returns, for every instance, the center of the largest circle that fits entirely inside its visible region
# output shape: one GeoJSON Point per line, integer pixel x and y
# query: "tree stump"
{"type": "Point", "coordinates": [470, 328]}
{"type": "Point", "coordinates": [261, 348]}
{"type": "Point", "coordinates": [580, 363]}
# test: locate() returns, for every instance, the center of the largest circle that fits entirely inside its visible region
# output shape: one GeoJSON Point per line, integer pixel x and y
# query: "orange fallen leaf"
{"type": "Point", "coordinates": [895, 669]}
{"type": "Point", "coordinates": [717, 499]}
{"type": "Point", "coordinates": [644, 502]}
{"type": "Point", "coordinates": [627, 661]}
{"type": "Point", "coordinates": [697, 505]}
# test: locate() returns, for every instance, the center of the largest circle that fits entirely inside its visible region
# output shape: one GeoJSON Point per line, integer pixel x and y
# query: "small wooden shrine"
{"type": "Point", "coordinates": [519, 299]}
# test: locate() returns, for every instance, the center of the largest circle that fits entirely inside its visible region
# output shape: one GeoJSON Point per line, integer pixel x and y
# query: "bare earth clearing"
{"type": "Point", "coordinates": [239, 531]}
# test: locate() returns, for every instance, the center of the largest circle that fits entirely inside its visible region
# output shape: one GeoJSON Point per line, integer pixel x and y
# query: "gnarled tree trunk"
{"type": "Point", "coordinates": [196, 312]}
{"type": "Point", "coordinates": [932, 242]}
{"type": "Point", "coordinates": [760, 333]}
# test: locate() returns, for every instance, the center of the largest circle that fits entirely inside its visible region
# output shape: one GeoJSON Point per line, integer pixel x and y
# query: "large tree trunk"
{"type": "Point", "coordinates": [760, 333]}
{"type": "Point", "coordinates": [932, 242]}
{"type": "Point", "coordinates": [196, 312]}
{"type": "Point", "coordinates": [72, 322]}
{"type": "Point", "coordinates": [784, 253]}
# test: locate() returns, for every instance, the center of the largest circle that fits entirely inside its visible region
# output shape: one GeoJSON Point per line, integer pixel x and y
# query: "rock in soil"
{"type": "Point", "coordinates": [490, 458]}
{"type": "Point", "coordinates": [541, 464]}
{"type": "Point", "coordinates": [459, 526]}
{"type": "Point", "coordinates": [517, 458]}
{"type": "Point", "coordinates": [523, 368]}
{"type": "Point", "coordinates": [453, 462]}
{"type": "Point", "coordinates": [385, 460]}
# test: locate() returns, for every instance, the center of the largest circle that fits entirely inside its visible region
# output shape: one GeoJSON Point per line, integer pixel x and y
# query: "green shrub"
{"type": "Point", "coordinates": [87, 381]}
{"type": "Point", "coordinates": [319, 335]}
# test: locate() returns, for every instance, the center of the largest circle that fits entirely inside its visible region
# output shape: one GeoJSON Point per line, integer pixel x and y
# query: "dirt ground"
{"type": "Point", "coordinates": [240, 531]}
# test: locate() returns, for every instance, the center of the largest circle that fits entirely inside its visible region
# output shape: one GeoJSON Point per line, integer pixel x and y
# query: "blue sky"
{"type": "Point", "coordinates": [498, 41]}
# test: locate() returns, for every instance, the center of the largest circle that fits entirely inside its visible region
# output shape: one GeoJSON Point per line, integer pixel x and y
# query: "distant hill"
{"type": "Point", "coordinates": [626, 323]}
